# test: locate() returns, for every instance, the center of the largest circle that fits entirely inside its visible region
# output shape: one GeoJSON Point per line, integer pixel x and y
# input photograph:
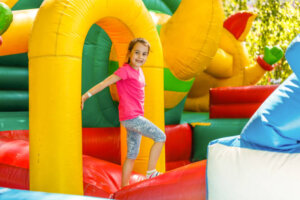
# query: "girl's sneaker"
{"type": "Point", "coordinates": [152, 174]}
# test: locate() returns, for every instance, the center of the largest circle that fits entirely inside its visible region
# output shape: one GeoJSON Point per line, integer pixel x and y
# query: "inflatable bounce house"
{"type": "Point", "coordinates": [262, 162]}
{"type": "Point", "coordinates": [199, 88]}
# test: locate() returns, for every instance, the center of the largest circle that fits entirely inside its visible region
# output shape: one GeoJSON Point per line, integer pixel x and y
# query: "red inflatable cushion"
{"type": "Point", "coordinates": [237, 102]}
{"type": "Point", "coordinates": [186, 182]}
{"type": "Point", "coordinates": [101, 178]}
{"type": "Point", "coordinates": [104, 143]}
{"type": "Point", "coordinates": [178, 145]}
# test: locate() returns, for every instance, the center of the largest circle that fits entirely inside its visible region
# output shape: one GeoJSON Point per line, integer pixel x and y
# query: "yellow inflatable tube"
{"type": "Point", "coordinates": [55, 50]}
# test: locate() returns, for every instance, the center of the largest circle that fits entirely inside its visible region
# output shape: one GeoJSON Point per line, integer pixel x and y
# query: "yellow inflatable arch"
{"type": "Point", "coordinates": [55, 56]}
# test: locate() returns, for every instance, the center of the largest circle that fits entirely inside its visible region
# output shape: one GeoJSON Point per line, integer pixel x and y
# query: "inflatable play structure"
{"type": "Point", "coordinates": [55, 50]}
{"type": "Point", "coordinates": [262, 162]}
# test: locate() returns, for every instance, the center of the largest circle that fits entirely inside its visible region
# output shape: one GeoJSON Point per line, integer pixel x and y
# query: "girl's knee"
{"type": "Point", "coordinates": [132, 155]}
{"type": "Point", "coordinates": [161, 138]}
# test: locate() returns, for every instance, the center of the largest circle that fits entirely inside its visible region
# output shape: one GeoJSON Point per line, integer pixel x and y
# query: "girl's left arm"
{"type": "Point", "coordinates": [100, 86]}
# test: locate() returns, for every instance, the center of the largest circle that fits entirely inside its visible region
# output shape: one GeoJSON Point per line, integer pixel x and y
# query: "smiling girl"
{"type": "Point", "coordinates": [130, 82]}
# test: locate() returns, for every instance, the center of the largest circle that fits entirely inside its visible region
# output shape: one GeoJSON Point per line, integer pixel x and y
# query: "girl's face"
{"type": "Point", "coordinates": [138, 55]}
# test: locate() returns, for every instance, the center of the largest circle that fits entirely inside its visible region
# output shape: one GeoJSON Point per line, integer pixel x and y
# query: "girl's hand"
{"type": "Point", "coordinates": [83, 99]}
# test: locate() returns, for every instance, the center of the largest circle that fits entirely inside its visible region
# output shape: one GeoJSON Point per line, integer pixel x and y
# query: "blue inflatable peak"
{"type": "Point", "coordinates": [276, 124]}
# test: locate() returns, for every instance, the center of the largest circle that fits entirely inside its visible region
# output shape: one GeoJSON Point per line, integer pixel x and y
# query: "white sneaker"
{"type": "Point", "coordinates": [152, 174]}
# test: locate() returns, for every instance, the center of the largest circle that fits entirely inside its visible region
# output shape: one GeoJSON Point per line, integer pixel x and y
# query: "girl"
{"type": "Point", "coordinates": [130, 85]}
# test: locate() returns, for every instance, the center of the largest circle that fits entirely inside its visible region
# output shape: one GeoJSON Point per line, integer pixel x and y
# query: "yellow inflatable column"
{"type": "Point", "coordinates": [55, 56]}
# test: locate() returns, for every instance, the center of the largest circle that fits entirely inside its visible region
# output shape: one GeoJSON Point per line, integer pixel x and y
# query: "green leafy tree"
{"type": "Point", "coordinates": [277, 23]}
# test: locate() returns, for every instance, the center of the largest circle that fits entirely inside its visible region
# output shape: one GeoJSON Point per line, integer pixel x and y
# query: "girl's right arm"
{"type": "Point", "coordinates": [99, 87]}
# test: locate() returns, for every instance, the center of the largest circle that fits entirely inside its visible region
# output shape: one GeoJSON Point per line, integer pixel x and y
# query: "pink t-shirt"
{"type": "Point", "coordinates": [131, 90]}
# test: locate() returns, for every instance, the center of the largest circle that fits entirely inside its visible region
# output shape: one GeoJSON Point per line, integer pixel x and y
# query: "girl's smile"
{"type": "Point", "coordinates": [138, 55]}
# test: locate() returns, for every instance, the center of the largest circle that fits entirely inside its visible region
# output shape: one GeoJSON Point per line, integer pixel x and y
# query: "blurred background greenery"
{"type": "Point", "coordinates": [277, 23]}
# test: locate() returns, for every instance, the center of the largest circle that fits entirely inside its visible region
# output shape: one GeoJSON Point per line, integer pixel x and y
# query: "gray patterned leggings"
{"type": "Point", "coordinates": [135, 129]}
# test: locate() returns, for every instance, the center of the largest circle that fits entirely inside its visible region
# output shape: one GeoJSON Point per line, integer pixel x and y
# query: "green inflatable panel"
{"type": "Point", "coordinates": [157, 5]}
{"type": "Point", "coordinates": [13, 78]}
{"type": "Point", "coordinates": [27, 4]}
{"type": "Point", "coordinates": [13, 100]}
{"type": "Point", "coordinates": [16, 60]}
{"type": "Point", "coordinates": [164, 6]}
{"type": "Point", "coordinates": [14, 121]}
{"type": "Point", "coordinates": [172, 4]}
{"type": "Point", "coordinates": [190, 117]}
{"type": "Point", "coordinates": [206, 130]}
{"type": "Point", "coordinates": [172, 116]}
{"type": "Point", "coordinates": [101, 110]}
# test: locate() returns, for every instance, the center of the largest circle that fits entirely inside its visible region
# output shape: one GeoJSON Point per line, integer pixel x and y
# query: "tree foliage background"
{"type": "Point", "coordinates": [277, 23]}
